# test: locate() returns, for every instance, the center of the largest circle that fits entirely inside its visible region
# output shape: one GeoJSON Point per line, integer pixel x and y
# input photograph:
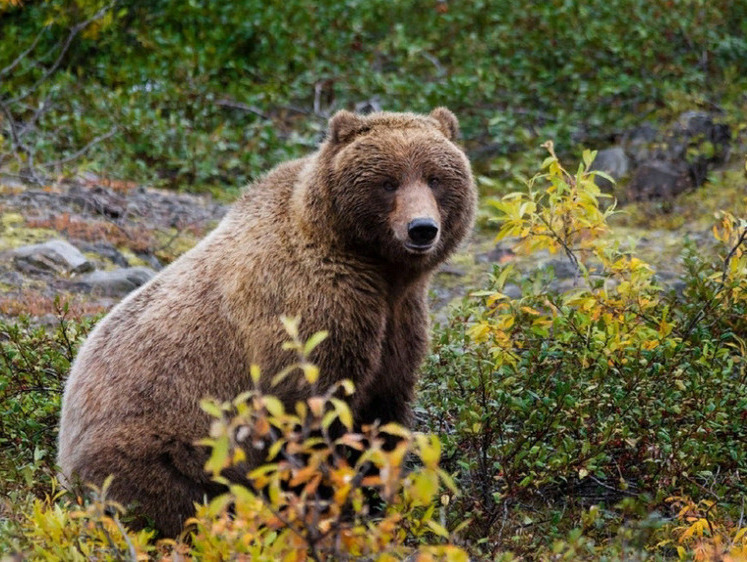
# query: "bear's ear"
{"type": "Point", "coordinates": [447, 122]}
{"type": "Point", "coordinates": [344, 126]}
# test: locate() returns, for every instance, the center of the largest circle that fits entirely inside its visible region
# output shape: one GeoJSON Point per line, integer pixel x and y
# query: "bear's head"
{"type": "Point", "coordinates": [398, 186]}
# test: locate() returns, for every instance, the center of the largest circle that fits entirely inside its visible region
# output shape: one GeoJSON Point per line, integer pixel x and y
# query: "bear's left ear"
{"type": "Point", "coordinates": [344, 126]}
{"type": "Point", "coordinates": [447, 122]}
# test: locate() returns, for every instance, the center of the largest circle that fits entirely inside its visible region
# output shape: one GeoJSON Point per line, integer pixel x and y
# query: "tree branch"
{"type": "Point", "coordinates": [63, 51]}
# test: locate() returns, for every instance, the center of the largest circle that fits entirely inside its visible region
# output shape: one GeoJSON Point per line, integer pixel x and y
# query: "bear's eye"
{"type": "Point", "coordinates": [390, 185]}
{"type": "Point", "coordinates": [433, 182]}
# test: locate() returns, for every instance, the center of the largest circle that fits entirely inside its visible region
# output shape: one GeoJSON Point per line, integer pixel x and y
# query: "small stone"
{"type": "Point", "coordinates": [562, 268]}
{"type": "Point", "coordinates": [57, 256]}
{"type": "Point", "coordinates": [117, 282]}
{"type": "Point", "coordinates": [512, 291]}
{"type": "Point", "coordinates": [499, 254]}
{"type": "Point", "coordinates": [449, 269]}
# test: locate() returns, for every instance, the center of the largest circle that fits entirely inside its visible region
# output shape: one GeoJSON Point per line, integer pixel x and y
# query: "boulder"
{"type": "Point", "coordinates": [659, 179]}
{"type": "Point", "coordinates": [639, 142]}
{"type": "Point", "coordinates": [117, 282]}
{"type": "Point", "coordinates": [55, 256]}
{"type": "Point", "coordinates": [678, 158]}
{"type": "Point", "coordinates": [612, 161]}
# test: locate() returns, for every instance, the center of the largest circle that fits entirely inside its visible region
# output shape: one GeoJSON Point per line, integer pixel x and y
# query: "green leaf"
{"type": "Point", "coordinates": [314, 341]}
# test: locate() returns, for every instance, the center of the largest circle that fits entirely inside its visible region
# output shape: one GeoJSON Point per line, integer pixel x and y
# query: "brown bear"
{"type": "Point", "coordinates": [346, 238]}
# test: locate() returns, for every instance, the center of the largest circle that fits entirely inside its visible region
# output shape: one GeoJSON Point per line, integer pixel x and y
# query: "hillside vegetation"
{"type": "Point", "coordinates": [206, 94]}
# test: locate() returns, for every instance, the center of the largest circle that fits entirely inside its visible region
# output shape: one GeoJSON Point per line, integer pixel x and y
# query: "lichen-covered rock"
{"type": "Point", "coordinates": [56, 256]}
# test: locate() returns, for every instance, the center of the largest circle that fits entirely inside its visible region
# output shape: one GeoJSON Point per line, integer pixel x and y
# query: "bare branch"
{"type": "Point", "coordinates": [82, 151]}
{"type": "Point", "coordinates": [231, 104]}
{"type": "Point", "coordinates": [23, 55]}
{"type": "Point", "coordinates": [77, 28]}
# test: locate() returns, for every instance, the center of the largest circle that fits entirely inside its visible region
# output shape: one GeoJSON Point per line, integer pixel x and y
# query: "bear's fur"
{"type": "Point", "coordinates": [328, 238]}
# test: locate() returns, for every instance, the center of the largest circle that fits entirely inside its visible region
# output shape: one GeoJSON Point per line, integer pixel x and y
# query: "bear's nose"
{"type": "Point", "coordinates": [422, 231]}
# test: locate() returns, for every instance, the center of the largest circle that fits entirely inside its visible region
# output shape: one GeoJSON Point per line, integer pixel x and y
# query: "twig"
{"type": "Point", "coordinates": [612, 488]}
{"type": "Point", "coordinates": [23, 55]}
{"type": "Point", "coordinates": [63, 51]}
{"type": "Point", "coordinates": [232, 104]}
{"type": "Point", "coordinates": [440, 71]}
{"type": "Point", "coordinates": [130, 547]}
{"type": "Point", "coordinates": [79, 153]}
{"type": "Point", "coordinates": [712, 301]}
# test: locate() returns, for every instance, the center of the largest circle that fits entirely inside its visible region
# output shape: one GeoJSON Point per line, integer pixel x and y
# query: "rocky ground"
{"type": "Point", "coordinates": [91, 241]}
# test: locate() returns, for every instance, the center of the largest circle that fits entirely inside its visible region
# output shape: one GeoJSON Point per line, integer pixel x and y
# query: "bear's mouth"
{"type": "Point", "coordinates": [419, 248]}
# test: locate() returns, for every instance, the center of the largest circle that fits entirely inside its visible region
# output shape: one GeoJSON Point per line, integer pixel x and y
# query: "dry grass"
{"type": "Point", "coordinates": [92, 230]}
{"type": "Point", "coordinates": [37, 304]}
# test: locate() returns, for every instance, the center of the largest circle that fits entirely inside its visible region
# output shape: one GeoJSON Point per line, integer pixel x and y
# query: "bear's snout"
{"type": "Point", "coordinates": [421, 233]}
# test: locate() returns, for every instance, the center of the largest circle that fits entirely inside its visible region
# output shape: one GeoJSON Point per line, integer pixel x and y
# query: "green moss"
{"type": "Point", "coordinates": [172, 243]}
{"type": "Point", "coordinates": [132, 258]}
{"type": "Point", "coordinates": [13, 233]}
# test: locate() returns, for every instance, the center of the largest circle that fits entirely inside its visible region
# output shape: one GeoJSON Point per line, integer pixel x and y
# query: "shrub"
{"type": "Point", "coordinates": [34, 362]}
{"type": "Point", "coordinates": [615, 393]}
{"type": "Point", "coordinates": [325, 492]}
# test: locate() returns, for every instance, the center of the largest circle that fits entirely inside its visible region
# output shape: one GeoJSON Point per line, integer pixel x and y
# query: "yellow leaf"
{"type": "Point", "coordinates": [430, 449]}
{"type": "Point", "coordinates": [343, 413]}
{"type": "Point", "coordinates": [396, 430]}
{"type": "Point", "coordinates": [316, 405]}
{"type": "Point", "coordinates": [311, 372]}
{"type": "Point", "coordinates": [314, 341]}
{"type": "Point", "coordinates": [348, 386]}
{"type": "Point", "coordinates": [254, 372]}
{"type": "Point", "coordinates": [438, 529]}
{"type": "Point", "coordinates": [273, 406]}
{"type": "Point", "coordinates": [425, 487]}
{"type": "Point", "coordinates": [291, 325]}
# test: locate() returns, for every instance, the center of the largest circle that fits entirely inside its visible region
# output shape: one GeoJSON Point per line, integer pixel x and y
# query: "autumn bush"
{"type": "Point", "coordinates": [327, 490]}
{"type": "Point", "coordinates": [581, 411]}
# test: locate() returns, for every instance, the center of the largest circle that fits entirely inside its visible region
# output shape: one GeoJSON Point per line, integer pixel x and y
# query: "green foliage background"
{"type": "Point", "coordinates": [208, 94]}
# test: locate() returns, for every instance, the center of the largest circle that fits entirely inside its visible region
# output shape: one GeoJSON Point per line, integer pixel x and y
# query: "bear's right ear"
{"type": "Point", "coordinates": [344, 126]}
{"type": "Point", "coordinates": [447, 122]}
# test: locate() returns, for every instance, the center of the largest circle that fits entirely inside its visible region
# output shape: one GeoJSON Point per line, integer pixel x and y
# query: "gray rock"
{"type": "Point", "coordinates": [677, 158]}
{"type": "Point", "coordinates": [108, 252]}
{"type": "Point", "coordinates": [500, 253]}
{"type": "Point", "coordinates": [659, 179]}
{"type": "Point", "coordinates": [701, 142]}
{"type": "Point", "coordinates": [638, 142]}
{"type": "Point", "coordinates": [99, 200]}
{"type": "Point", "coordinates": [614, 162]}
{"type": "Point", "coordinates": [56, 256]}
{"type": "Point", "coordinates": [562, 268]}
{"type": "Point", "coordinates": [512, 291]}
{"type": "Point", "coordinates": [117, 282]}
